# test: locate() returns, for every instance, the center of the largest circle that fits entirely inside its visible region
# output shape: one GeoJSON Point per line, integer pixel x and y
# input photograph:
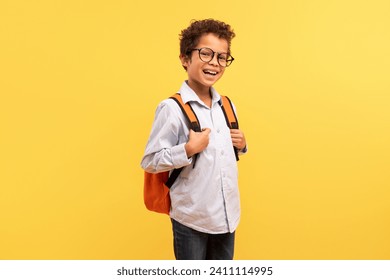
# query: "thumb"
{"type": "Point", "coordinates": [192, 132]}
{"type": "Point", "coordinates": [206, 130]}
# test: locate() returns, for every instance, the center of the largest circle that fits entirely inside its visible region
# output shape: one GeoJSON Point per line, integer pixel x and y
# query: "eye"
{"type": "Point", "coordinates": [206, 53]}
{"type": "Point", "coordinates": [223, 57]}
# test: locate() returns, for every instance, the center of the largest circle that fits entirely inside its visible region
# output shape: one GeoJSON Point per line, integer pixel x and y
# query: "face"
{"type": "Point", "coordinates": [203, 75]}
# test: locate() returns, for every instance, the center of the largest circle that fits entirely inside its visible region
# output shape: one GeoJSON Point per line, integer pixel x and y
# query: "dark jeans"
{"type": "Point", "coordinates": [190, 244]}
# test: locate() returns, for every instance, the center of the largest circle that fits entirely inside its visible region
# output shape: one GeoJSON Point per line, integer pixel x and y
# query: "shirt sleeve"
{"type": "Point", "coordinates": [165, 149]}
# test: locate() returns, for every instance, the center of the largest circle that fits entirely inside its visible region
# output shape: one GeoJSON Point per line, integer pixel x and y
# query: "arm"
{"type": "Point", "coordinates": [165, 150]}
{"type": "Point", "coordinates": [169, 147]}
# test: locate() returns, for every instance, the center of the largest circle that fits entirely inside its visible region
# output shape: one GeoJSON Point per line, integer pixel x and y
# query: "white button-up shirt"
{"type": "Point", "coordinates": [205, 198]}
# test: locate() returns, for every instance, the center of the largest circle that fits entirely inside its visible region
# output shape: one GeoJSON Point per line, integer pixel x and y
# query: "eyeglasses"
{"type": "Point", "coordinates": [207, 54]}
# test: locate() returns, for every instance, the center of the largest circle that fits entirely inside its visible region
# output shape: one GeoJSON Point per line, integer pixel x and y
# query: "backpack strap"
{"type": "Point", "coordinates": [230, 116]}
{"type": "Point", "coordinates": [192, 119]}
{"type": "Point", "coordinates": [188, 112]}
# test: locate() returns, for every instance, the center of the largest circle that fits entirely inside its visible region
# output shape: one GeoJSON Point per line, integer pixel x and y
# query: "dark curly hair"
{"type": "Point", "coordinates": [189, 37]}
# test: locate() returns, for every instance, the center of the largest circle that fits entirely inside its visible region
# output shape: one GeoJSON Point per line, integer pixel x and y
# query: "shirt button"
{"type": "Point", "coordinates": [218, 130]}
{"type": "Point", "coordinates": [222, 152]}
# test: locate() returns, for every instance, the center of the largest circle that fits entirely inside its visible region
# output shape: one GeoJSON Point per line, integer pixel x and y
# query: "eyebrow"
{"type": "Point", "coordinates": [213, 50]}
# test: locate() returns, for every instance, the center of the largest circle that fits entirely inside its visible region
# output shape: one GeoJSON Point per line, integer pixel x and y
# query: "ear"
{"type": "Point", "coordinates": [184, 61]}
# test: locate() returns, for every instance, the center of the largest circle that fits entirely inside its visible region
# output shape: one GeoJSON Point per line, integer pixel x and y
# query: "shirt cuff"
{"type": "Point", "coordinates": [179, 156]}
{"type": "Point", "coordinates": [243, 151]}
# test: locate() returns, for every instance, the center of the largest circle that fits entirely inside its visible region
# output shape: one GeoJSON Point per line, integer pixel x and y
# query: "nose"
{"type": "Point", "coordinates": [214, 60]}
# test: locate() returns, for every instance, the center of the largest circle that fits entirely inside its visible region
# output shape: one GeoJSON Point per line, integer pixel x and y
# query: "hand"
{"type": "Point", "coordinates": [238, 138]}
{"type": "Point", "coordinates": [198, 141]}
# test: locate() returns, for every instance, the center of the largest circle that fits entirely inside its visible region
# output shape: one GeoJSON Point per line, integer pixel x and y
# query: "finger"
{"type": "Point", "coordinates": [206, 130]}
{"type": "Point", "coordinates": [236, 136]}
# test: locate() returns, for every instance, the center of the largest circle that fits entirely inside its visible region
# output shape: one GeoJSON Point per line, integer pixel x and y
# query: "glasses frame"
{"type": "Point", "coordinates": [229, 61]}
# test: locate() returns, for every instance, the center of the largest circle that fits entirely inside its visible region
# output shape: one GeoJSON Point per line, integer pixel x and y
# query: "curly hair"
{"type": "Point", "coordinates": [189, 37]}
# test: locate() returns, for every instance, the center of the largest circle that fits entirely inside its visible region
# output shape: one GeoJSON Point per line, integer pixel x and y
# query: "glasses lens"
{"type": "Point", "coordinates": [206, 54]}
{"type": "Point", "coordinates": [228, 60]}
{"type": "Point", "coordinates": [222, 59]}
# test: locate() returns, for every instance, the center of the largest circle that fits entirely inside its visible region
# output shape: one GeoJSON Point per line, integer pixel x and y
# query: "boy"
{"type": "Point", "coordinates": [205, 206]}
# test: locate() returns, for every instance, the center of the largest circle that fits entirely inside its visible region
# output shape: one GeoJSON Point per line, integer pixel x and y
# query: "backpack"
{"type": "Point", "coordinates": [157, 185]}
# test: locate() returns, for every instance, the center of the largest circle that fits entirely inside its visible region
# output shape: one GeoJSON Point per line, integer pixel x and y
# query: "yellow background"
{"type": "Point", "coordinates": [79, 83]}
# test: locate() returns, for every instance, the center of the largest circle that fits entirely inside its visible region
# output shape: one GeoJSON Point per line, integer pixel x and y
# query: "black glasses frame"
{"type": "Point", "coordinates": [229, 59]}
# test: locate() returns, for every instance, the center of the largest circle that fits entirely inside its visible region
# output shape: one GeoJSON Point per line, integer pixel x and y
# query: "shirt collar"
{"type": "Point", "coordinates": [187, 94]}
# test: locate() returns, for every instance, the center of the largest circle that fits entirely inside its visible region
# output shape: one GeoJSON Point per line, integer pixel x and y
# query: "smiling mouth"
{"type": "Point", "coordinates": [209, 72]}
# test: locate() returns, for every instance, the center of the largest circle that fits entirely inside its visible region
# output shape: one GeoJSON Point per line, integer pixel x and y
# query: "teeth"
{"type": "Point", "coordinates": [210, 72]}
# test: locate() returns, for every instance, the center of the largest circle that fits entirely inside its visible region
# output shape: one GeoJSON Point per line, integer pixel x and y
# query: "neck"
{"type": "Point", "coordinates": [204, 93]}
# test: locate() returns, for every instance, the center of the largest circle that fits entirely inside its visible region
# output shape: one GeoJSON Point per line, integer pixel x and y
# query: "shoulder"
{"type": "Point", "coordinates": [227, 101]}
{"type": "Point", "coordinates": [222, 99]}
{"type": "Point", "coordinates": [168, 105]}
{"type": "Point", "coordinates": [168, 108]}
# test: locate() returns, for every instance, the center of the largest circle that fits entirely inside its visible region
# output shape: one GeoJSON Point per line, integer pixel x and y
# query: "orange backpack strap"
{"type": "Point", "coordinates": [230, 116]}
{"type": "Point", "coordinates": [193, 121]}
{"type": "Point", "coordinates": [188, 112]}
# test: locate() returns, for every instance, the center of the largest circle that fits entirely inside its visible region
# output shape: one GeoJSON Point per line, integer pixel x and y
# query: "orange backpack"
{"type": "Point", "coordinates": [157, 185]}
